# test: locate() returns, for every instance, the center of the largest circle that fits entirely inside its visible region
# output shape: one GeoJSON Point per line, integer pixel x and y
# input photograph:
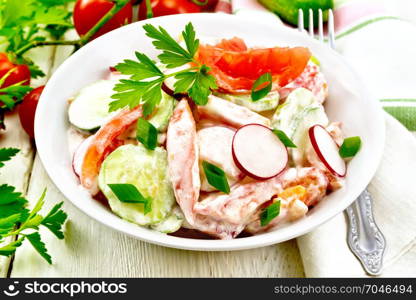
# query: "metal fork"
{"type": "Point", "coordinates": [364, 237]}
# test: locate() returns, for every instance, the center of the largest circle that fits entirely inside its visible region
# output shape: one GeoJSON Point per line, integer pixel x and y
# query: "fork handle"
{"type": "Point", "coordinates": [364, 237]}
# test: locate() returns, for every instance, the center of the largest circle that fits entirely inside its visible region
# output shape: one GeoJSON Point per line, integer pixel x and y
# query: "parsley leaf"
{"type": "Point", "coordinates": [173, 55]}
{"type": "Point", "coordinates": [146, 78]}
{"type": "Point", "coordinates": [6, 154]}
{"type": "Point", "coordinates": [55, 219]}
{"type": "Point", "coordinates": [35, 240]}
{"type": "Point", "coordinates": [10, 249]}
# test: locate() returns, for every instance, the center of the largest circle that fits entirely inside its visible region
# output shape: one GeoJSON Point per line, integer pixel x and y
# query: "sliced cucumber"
{"type": "Point", "coordinates": [286, 114]}
{"type": "Point", "coordinates": [312, 115]}
{"type": "Point", "coordinates": [163, 112]}
{"type": "Point", "coordinates": [145, 169]}
{"type": "Point", "coordinates": [89, 110]}
{"type": "Point", "coordinates": [171, 223]}
{"type": "Point", "coordinates": [300, 111]}
{"type": "Point", "coordinates": [271, 101]}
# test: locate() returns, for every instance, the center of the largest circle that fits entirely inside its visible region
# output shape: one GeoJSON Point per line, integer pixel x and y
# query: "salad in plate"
{"type": "Point", "coordinates": [213, 140]}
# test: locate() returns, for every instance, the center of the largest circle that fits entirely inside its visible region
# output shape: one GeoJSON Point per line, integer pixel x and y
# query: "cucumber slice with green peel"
{"type": "Point", "coordinates": [271, 101]}
{"type": "Point", "coordinates": [147, 171]}
{"type": "Point", "coordinates": [311, 115]}
{"type": "Point", "coordinates": [287, 115]}
{"type": "Point", "coordinates": [163, 112]}
{"type": "Point", "coordinates": [171, 223]}
{"type": "Point", "coordinates": [89, 110]}
{"type": "Point", "coordinates": [288, 10]}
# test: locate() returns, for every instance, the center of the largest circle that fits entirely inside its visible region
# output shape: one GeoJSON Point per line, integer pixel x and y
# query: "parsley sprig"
{"type": "Point", "coordinates": [20, 223]}
{"type": "Point", "coordinates": [145, 77]}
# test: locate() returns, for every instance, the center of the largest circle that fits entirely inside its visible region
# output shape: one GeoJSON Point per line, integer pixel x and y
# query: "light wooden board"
{"type": "Point", "coordinates": [93, 250]}
{"type": "Point", "coordinates": [17, 171]}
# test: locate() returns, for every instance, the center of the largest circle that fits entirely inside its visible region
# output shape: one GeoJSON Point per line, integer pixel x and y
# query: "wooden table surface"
{"type": "Point", "coordinates": [91, 249]}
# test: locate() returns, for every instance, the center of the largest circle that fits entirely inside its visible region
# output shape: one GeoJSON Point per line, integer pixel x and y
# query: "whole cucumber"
{"type": "Point", "coordinates": [288, 10]}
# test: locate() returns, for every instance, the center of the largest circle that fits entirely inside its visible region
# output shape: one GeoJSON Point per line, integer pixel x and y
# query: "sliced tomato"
{"type": "Point", "coordinates": [103, 143]}
{"type": "Point", "coordinates": [236, 67]}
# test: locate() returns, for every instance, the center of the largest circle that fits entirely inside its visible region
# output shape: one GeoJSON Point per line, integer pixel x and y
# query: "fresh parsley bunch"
{"type": "Point", "coordinates": [19, 223]}
{"type": "Point", "coordinates": [23, 22]}
{"type": "Point", "coordinates": [146, 79]}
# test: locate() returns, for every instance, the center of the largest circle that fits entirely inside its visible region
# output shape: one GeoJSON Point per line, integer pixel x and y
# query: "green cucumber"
{"type": "Point", "coordinates": [287, 113]}
{"type": "Point", "coordinates": [171, 223]}
{"type": "Point", "coordinates": [147, 171]}
{"type": "Point", "coordinates": [271, 101]}
{"type": "Point", "coordinates": [89, 109]}
{"type": "Point", "coordinates": [163, 112]}
{"type": "Point", "coordinates": [288, 10]}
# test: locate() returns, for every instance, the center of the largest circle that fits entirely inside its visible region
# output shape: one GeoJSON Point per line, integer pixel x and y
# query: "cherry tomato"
{"type": "Point", "coordinates": [169, 7]}
{"type": "Point", "coordinates": [21, 72]}
{"type": "Point", "coordinates": [27, 110]}
{"type": "Point", "coordinates": [211, 4]}
{"type": "Point", "coordinates": [88, 12]}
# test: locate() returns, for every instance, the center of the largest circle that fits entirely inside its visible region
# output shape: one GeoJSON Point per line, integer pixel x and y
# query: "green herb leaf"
{"type": "Point", "coordinates": [350, 147]}
{"type": "Point", "coordinates": [216, 177]}
{"type": "Point", "coordinates": [269, 213]}
{"type": "Point", "coordinates": [284, 138]}
{"type": "Point", "coordinates": [55, 219]}
{"type": "Point", "coordinates": [146, 134]}
{"type": "Point", "coordinates": [315, 60]}
{"type": "Point", "coordinates": [11, 202]}
{"type": "Point", "coordinates": [128, 193]}
{"type": "Point", "coordinates": [10, 248]}
{"type": "Point", "coordinates": [6, 154]}
{"type": "Point", "coordinates": [173, 55]}
{"type": "Point", "coordinates": [201, 88]}
{"type": "Point", "coordinates": [261, 87]}
{"type": "Point", "coordinates": [141, 69]}
{"type": "Point", "coordinates": [35, 240]}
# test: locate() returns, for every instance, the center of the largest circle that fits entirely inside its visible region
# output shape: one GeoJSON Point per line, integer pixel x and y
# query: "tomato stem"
{"type": "Point", "coordinates": [149, 10]}
{"type": "Point", "coordinates": [200, 3]}
{"type": "Point", "coordinates": [119, 4]}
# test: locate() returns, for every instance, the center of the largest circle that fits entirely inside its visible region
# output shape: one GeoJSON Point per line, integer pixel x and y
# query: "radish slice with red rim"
{"type": "Point", "coordinates": [327, 150]}
{"type": "Point", "coordinates": [79, 154]}
{"type": "Point", "coordinates": [258, 152]}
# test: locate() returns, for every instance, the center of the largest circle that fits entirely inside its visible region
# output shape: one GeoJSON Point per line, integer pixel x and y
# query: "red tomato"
{"type": "Point", "coordinates": [169, 7]}
{"type": "Point", "coordinates": [27, 110]}
{"type": "Point", "coordinates": [236, 68]}
{"type": "Point", "coordinates": [21, 72]}
{"type": "Point", "coordinates": [88, 12]}
{"type": "Point", "coordinates": [211, 4]}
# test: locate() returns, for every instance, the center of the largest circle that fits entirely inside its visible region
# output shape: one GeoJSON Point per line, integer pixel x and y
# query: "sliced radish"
{"type": "Point", "coordinates": [327, 150]}
{"type": "Point", "coordinates": [258, 152]}
{"type": "Point", "coordinates": [79, 154]}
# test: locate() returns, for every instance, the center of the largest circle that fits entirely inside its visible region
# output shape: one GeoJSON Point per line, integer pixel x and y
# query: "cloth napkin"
{"type": "Point", "coordinates": [381, 47]}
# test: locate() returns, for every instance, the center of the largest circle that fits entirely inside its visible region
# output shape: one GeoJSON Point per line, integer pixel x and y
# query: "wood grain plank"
{"type": "Point", "coordinates": [17, 171]}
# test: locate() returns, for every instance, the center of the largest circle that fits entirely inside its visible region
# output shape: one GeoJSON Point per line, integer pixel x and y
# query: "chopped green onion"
{"type": "Point", "coordinates": [269, 213]}
{"type": "Point", "coordinates": [216, 177]}
{"type": "Point", "coordinates": [284, 138]}
{"type": "Point", "coordinates": [257, 94]}
{"type": "Point", "coordinates": [128, 193]}
{"type": "Point", "coordinates": [315, 60]}
{"type": "Point", "coordinates": [146, 133]}
{"type": "Point", "coordinates": [350, 147]}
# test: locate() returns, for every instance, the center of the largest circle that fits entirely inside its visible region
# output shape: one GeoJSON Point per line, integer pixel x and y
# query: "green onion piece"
{"type": "Point", "coordinates": [216, 177]}
{"type": "Point", "coordinates": [284, 138]}
{"type": "Point", "coordinates": [269, 213]}
{"type": "Point", "coordinates": [256, 93]}
{"type": "Point", "coordinates": [315, 60]}
{"type": "Point", "coordinates": [128, 193]}
{"type": "Point", "coordinates": [146, 134]}
{"type": "Point", "coordinates": [350, 147]}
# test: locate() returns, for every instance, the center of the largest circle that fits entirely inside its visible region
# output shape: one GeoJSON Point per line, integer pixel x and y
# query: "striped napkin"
{"type": "Point", "coordinates": [380, 45]}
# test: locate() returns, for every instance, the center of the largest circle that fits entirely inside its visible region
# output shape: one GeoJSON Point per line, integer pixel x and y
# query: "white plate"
{"type": "Point", "coordinates": [349, 102]}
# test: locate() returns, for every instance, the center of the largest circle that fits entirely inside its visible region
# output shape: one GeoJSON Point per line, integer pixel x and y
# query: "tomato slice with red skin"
{"type": "Point", "coordinates": [103, 143]}
{"type": "Point", "coordinates": [168, 7]}
{"type": "Point", "coordinates": [236, 67]}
